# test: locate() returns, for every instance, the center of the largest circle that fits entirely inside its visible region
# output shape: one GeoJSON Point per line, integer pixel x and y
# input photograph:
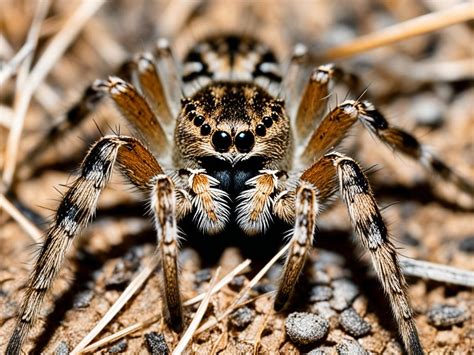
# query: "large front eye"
{"type": "Point", "coordinates": [221, 141]}
{"type": "Point", "coordinates": [244, 141]}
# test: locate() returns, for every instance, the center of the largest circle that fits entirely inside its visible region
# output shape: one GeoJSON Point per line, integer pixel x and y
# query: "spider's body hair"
{"type": "Point", "coordinates": [233, 162]}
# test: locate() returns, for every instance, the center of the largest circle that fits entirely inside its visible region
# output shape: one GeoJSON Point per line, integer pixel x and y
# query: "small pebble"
{"type": "Point", "coordinates": [344, 292]}
{"type": "Point", "coordinates": [82, 299]}
{"type": "Point", "coordinates": [321, 277]}
{"type": "Point", "coordinates": [123, 272]}
{"type": "Point", "coordinates": [467, 245]}
{"type": "Point", "coordinates": [320, 350]}
{"type": "Point", "coordinates": [409, 239]}
{"type": "Point", "coordinates": [242, 317]}
{"type": "Point", "coordinates": [323, 309]}
{"type": "Point", "coordinates": [120, 347]}
{"type": "Point", "coordinates": [203, 275]}
{"type": "Point", "coordinates": [326, 257]}
{"type": "Point", "coordinates": [353, 323]}
{"type": "Point", "coordinates": [350, 346]}
{"type": "Point", "coordinates": [305, 328]}
{"type": "Point", "coordinates": [428, 109]}
{"type": "Point", "coordinates": [320, 293]}
{"type": "Point", "coordinates": [156, 344]}
{"type": "Point", "coordinates": [62, 348]}
{"type": "Point", "coordinates": [237, 282]}
{"type": "Point", "coordinates": [445, 315]}
{"type": "Point", "coordinates": [264, 288]}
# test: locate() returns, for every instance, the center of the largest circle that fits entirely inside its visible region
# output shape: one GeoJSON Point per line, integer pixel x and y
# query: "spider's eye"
{"type": "Point", "coordinates": [221, 141]}
{"type": "Point", "coordinates": [244, 141]}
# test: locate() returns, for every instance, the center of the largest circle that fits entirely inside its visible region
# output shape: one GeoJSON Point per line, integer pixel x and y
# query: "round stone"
{"type": "Point", "coordinates": [244, 141]}
{"type": "Point", "coordinates": [221, 141]}
{"type": "Point", "coordinates": [446, 316]}
{"type": "Point", "coordinates": [354, 324]}
{"type": "Point", "coordinates": [305, 328]}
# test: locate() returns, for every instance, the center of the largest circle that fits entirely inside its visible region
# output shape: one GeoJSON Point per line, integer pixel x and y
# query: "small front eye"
{"type": "Point", "coordinates": [221, 141]}
{"type": "Point", "coordinates": [244, 141]}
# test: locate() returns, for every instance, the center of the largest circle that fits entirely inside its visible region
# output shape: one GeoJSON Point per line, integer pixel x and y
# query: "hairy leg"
{"type": "Point", "coordinates": [306, 210]}
{"type": "Point", "coordinates": [335, 126]}
{"type": "Point", "coordinates": [164, 206]}
{"type": "Point", "coordinates": [320, 182]}
{"type": "Point", "coordinates": [73, 214]}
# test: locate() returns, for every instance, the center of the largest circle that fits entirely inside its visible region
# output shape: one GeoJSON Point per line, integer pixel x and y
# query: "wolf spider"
{"type": "Point", "coordinates": [239, 157]}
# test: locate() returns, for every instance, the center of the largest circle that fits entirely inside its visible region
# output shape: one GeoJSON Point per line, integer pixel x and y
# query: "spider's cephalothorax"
{"type": "Point", "coordinates": [232, 159]}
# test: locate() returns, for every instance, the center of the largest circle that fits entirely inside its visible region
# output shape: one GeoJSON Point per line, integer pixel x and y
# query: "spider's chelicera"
{"type": "Point", "coordinates": [249, 148]}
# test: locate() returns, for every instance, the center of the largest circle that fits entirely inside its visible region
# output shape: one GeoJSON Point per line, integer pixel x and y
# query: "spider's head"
{"type": "Point", "coordinates": [233, 122]}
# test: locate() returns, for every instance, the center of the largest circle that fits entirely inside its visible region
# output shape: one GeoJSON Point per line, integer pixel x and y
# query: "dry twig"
{"type": "Point", "coordinates": [420, 25]}
{"type": "Point", "coordinates": [191, 331]}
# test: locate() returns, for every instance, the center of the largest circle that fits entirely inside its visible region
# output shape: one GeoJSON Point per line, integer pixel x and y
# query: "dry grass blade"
{"type": "Point", "coordinates": [134, 327]}
{"type": "Point", "coordinates": [189, 333]}
{"type": "Point", "coordinates": [437, 272]}
{"type": "Point", "coordinates": [244, 291]}
{"type": "Point", "coordinates": [10, 67]}
{"type": "Point", "coordinates": [404, 30]}
{"type": "Point", "coordinates": [24, 222]}
{"type": "Point", "coordinates": [131, 289]}
{"type": "Point", "coordinates": [120, 334]}
{"type": "Point", "coordinates": [53, 52]}
{"type": "Point", "coordinates": [237, 270]}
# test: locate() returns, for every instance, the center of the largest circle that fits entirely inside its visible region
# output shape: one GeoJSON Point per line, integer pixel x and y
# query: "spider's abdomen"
{"type": "Point", "coordinates": [230, 58]}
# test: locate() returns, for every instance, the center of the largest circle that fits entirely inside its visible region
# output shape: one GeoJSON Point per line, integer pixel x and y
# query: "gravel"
{"type": "Point", "coordinates": [428, 110]}
{"type": "Point", "coordinates": [156, 344]}
{"type": "Point", "coordinates": [305, 328]}
{"type": "Point", "coordinates": [344, 292]}
{"type": "Point", "coordinates": [264, 288]}
{"type": "Point", "coordinates": [350, 346]}
{"type": "Point", "coordinates": [62, 348]}
{"type": "Point", "coordinates": [82, 299]}
{"type": "Point", "coordinates": [242, 317]}
{"type": "Point", "coordinates": [320, 293]}
{"type": "Point", "coordinates": [353, 323]}
{"type": "Point", "coordinates": [323, 350]}
{"type": "Point", "coordinates": [120, 347]}
{"type": "Point", "coordinates": [445, 315]}
{"type": "Point", "coordinates": [203, 275]}
{"type": "Point", "coordinates": [467, 245]}
{"type": "Point", "coordinates": [237, 282]}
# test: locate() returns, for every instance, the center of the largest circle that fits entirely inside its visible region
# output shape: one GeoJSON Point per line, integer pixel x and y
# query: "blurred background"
{"type": "Point", "coordinates": [422, 84]}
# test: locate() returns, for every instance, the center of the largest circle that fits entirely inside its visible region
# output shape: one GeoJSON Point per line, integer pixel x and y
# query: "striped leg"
{"type": "Point", "coordinates": [317, 185]}
{"type": "Point", "coordinates": [90, 99]}
{"type": "Point", "coordinates": [334, 127]}
{"type": "Point", "coordinates": [164, 205]}
{"type": "Point", "coordinates": [371, 231]}
{"type": "Point", "coordinates": [73, 214]}
{"type": "Point", "coordinates": [133, 106]}
{"type": "Point", "coordinates": [306, 210]}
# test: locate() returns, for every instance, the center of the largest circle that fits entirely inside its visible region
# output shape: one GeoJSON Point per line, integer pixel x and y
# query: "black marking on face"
{"type": "Point", "coordinates": [232, 179]}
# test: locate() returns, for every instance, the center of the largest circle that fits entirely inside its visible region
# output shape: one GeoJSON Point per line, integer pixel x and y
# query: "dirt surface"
{"type": "Point", "coordinates": [428, 219]}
